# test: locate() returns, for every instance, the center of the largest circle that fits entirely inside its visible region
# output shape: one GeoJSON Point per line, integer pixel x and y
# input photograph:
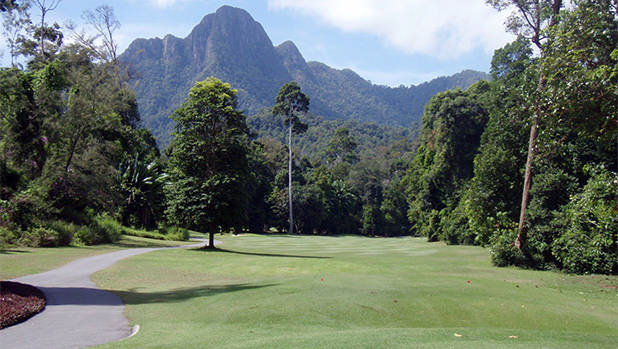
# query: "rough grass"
{"type": "Point", "coordinates": [20, 261]}
{"type": "Point", "coordinates": [290, 292]}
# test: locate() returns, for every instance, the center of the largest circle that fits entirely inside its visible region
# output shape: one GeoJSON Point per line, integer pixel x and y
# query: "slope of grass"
{"type": "Point", "coordinates": [290, 292]}
{"type": "Point", "coordinates": [20, 261]}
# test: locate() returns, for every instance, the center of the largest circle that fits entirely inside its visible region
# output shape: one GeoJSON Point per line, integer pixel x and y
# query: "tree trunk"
{"type": "Point", "coordinates": [211, 238]}
{"type": "Point", "coordinates": [72, 151]}
{"type": "Point", "coordinates": [42, 38]}
{"type": "Point", "coordinates": [291, 230]}
{"type": "Point", "coordinates": [525, 196]}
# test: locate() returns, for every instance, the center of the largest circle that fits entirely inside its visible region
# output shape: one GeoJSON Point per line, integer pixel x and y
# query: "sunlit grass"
{"type": "Point", "coordinates": [289, 292]}
{"type": "Point", "coordinates": [20, 261]}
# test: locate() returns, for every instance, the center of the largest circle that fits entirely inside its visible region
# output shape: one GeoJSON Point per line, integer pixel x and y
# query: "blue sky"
{"type": "Point", "coordinates": [389, 42]}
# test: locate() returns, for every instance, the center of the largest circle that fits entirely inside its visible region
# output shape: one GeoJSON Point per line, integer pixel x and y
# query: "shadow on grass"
{"type": "Point", "coordinates": [259, 254]}
{"type": "Point", "coordinates": [89, 296]}
{"type": "Point", "coordinates": [11, 251]}
{"type": "Point", "coordinates": [138, 244]}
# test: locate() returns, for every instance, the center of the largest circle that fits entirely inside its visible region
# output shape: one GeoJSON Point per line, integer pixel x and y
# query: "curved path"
{"type": "Point", "coordinates": [78, 314]}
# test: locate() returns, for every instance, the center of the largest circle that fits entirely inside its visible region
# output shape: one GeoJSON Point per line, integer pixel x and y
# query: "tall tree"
{"type": "Point", "coordinates": [531, 18]}
{"type": "Point", "coordinates": [45, 6]}
{"type": "Point", "coordinates": [290, 103]}
{"type": "Point", "coordinates": [104, 23]}
{"type": "Point", "coordinates": [451, 134]}
{"type": "Point", "coordinates": [208, 165]}
{"type": "Point", "coordinates": [14, 22]}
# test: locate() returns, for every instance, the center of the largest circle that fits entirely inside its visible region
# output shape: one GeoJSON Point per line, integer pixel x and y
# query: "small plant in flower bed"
{"type": "Point", "coordinates": [18, 302]}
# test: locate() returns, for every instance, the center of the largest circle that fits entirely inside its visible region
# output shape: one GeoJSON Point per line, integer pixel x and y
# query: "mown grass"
{"type": "Point", "coordinates": [291, 292]}
{"type": "Point", "coordinates": [20, 261]}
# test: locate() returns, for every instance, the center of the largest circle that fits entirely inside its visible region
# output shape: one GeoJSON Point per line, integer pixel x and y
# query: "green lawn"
{"type": "Point", "coordinates": [20, 261]}
{"type": "Point", "coordinates": [290, 292]}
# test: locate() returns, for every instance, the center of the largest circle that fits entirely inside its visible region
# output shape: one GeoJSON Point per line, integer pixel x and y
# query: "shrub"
{"type": "Point", "coordinates": [590, 223]}
{"type": "Point", "coordinates": [98, 232]}
{"type": "Point", "coordinates": [22, 210]}
{"type": "Point", "coordinates": [39, 237]}
{"type": "Point", "coordinates": [8, 236]}
{"type": "Point", "coordinates": [177, 233]}
{"type": "Point", "coordinates": [455, 228]}
{"type": "Point", "coordinates": [503, 250]}
{"type": "Point", "coordinates": [65, 230]}
{"type": "Point", "coordinates": [48, 237]}
{"type": "Point", "coordinates": [89, 235]}
{"type": "Point", "coordinates": [111, 229]}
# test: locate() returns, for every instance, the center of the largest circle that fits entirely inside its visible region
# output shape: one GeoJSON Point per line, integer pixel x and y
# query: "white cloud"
{"type": "Point", "coordinates": [165, 3]}
{"type": "Point", "coordinates": [441, 28]}
{"type": "Point", "coordinates": [162, 3]}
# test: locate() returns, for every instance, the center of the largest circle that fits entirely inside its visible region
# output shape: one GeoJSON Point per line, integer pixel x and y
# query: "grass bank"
{"type": "Point", "coordinates": [290, 292]}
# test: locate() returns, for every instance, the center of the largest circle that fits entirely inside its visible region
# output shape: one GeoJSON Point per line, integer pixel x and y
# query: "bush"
{"type": "Point", "coordinates": [22, 210]}
{"type": "Point", "coordinates": [65, 231]}
{"type": "Point", "coordinates": [177, 233]}
{"type": "Point", "coordinates": [455, 228]}
{"type": "Point", "coordinates": [39, 237]}
{"type": "Point", "coordinates": [8, 236]}
{"type": "Point", "coordinates": [47, 237]}
{"type": "Point", "coordinates": [503, 250]}
{"type": "Point", "coordinates": [590, 223]}
{"type": "Point", "coordinates": [104, 229]}
{"type": "Point", "coordinates": [86, 236]}
{"type": "Point", "coordinates": [110, 228]}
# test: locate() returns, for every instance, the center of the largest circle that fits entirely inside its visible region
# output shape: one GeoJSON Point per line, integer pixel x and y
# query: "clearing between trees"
{"type": "Point", "coordinates": [309, 291]}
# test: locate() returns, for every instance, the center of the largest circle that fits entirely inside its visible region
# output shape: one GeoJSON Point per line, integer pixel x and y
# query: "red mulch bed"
{"type": "Point", "coordinates": [18, 302]}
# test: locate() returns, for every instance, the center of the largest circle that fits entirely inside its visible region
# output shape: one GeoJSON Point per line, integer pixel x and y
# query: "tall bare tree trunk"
{"type": "Point", "coordinates": [42, 38]}
{"type": "Point", "coordinates": [525, 196]}
{"type": "Point", "coordinates": [291, 230]}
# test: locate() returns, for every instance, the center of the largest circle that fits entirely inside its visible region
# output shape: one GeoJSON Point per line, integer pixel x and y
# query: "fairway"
{"type": "Point", "coordinates": [299, 291]}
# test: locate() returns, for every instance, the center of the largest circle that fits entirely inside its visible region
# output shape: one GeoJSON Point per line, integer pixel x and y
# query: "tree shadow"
{"type": "Point", "coordinates": [12, 251]}
{"type": "Point", "coordinates": [280, 235]}
{"type": "Point", "coordinates": [91, 296]}
{"type": "Point", "coordinates": [143, 244]}
{"type": "Point", "coordinates": [261, 254]}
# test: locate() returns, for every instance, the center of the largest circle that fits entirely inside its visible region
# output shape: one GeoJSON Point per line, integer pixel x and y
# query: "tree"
{"type": "Point", "coordinates": [531, 18]}
{"type": "Point", "coordinates": [290, 103]}
{"type": "Point", "coordinates": [7, 5]}
{"type": "Point", "coordinates": [494, 193]}
{"type": "Point", "coordinates": [141, 183]}
{"type": "Point", "coordinates": [451, 134]}
{"type": "Point", "coordinates": [45, 6]}
{"type": "Point", "coordinates": [14, 22]}
{"type": "Point", "coordinates": [103, 20]}
{"type": "Point", "coordinates": [565, 227]}
{"type": "Point", "coordinates": [208, 165]}
{"type": "Point", "coordinates": [341, 147]}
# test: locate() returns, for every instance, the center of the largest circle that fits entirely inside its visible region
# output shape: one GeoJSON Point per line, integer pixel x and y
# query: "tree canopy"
{"type": "Point", "coordinates": [208, 165]}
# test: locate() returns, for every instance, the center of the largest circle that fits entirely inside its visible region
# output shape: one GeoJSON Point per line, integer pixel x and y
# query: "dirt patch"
{"type": "Point", "coordinates": [18, 302]}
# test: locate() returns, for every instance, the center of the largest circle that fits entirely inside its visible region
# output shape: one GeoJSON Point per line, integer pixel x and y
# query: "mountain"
{"type": "Point", "coordinates": [232, 46]}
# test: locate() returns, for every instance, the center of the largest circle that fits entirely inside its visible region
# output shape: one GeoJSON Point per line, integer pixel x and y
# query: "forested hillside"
{"type": "Point", "coordinates": [313, 145]}
{"type": "Point", "coordinates": [163, 70]}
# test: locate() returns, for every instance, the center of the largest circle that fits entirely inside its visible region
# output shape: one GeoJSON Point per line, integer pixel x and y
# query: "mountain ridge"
{"type": "Point", "coordinates": [230, 45]}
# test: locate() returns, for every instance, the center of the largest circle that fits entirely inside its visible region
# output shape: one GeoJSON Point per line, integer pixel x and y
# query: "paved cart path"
{"type": "Point", "coordinates": [78, 314]}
